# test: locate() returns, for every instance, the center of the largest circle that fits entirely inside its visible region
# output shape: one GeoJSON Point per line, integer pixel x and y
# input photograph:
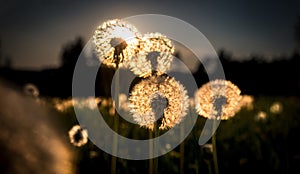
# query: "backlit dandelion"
{"type": "Point", "coordinates": [78, 136]}
{"type": "Point", "coordinates": [123, 102]}
{"type": "Point", "coordinates": [64, 105]}
{"type": "Point", "coordinates": [218, 99]}
{"type": "Point", "coordinates": [115, 42]}
{"type": "Point", "coordinates": [155, 55]}
{"type": "Point", "coordinates": [276, 108]}
{"type": "Point", "coordinates": [261, 115]}
{"type": "Point", "coordinates": [158, 98]}
{"type": "Point", "coordinates": [247, 102]}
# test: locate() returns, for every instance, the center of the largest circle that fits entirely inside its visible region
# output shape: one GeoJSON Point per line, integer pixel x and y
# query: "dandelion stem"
{"type": "Point", "coordinates": [156, 134]}
{"type": "Point", "coordinates": [182, 149]}
{"type": "Point", "coordinates": [115, 125]}
{"type": "Point", "coordinates": [215, 158]}
{"type": "Point", "coordinates": [209, 167]}
{"type": "Point", "coordinates": [151, 153]}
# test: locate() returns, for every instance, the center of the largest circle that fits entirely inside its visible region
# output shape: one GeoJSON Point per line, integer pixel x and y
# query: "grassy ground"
{"type": "Point", "coordinates": [261, 138]}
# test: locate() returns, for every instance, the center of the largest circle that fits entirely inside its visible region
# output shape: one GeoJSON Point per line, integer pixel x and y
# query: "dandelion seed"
{"type": "Point", "coordinates": [218, 99]}
{"type": "Point", "coordinates": [78, 136]}
{"type": "Point", "coordinates": [155, 55]}
{"type": "Point", "coordinates": [115, 42]}
{"type": "Point", "coordinates": [161, 99]}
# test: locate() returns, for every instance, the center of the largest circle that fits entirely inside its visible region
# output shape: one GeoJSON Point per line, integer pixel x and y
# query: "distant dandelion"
{"type": "Point", "coordinates": [123, 102]}
{"type": "Point", "coordinates": [218, 99]}
{"type": "Point", "coordinates": [111, 111]}
{"type": "Point", "coordinates": [31, 90]}
{"type": "Point", "coordinates": [78, 136]}
{"type": "Point", "coordinates": [64, 105]}
{"type": "Point", "coordinates": [168, 146]}
{"type": "Point", "coordinates": [208, 148]}
{"type": "Point", "coordinates": [261, 115]}
{"type": "Point", "coordinates": [161, 99]}
{"type": "Point", "coordinates": [276, 108]}
{"type": "Point", "coordinates": [89, 102]}
{"type": "Point", "coordinates": [115, 42]}
{"type": "Point", "coordinates": [104, 102]}
{"type": "Point", "coordinates": [155, 55]}
{"type": "Point", "coordinates": [247, 102]}
{"type": "Point", "coordinates": [208, 151]}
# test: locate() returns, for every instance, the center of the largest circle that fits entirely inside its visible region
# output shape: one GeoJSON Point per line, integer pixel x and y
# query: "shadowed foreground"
{"type": "Point", "coordinates": [29, 141]}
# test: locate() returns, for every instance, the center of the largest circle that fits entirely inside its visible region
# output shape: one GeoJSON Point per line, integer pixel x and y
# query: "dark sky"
{"type": "Point", "coordinates": [33, 32]}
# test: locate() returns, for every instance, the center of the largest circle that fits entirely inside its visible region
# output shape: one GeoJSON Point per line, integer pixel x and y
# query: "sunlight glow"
{"type": "Point", "coordinates": [114, 40]}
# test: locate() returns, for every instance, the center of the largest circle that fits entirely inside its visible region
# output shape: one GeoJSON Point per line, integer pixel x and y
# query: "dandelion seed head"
{"type": "Point", "coordinates": [155, 55]}
{"type": "Point", "coordinates": [78, 136]}
{"type": "Point", "coordinates": [89, 102]}
{"type": "Point", "coordinates": [218, 99]}
{"type": "Point", "coordinates": [261, 115]}
{"type": "Point", "coordinates": [112, 111]}
{"type": "Point", "coordinates": [158, 98]}
{"type": "Point", "coordinates": [115, 41]}
{"type": "Point", "coordinates": [276, 108]}
{"type": "Point", "coordinates": [123, 102]}
{"type": "Point", "coordinates": [168, 146]}
{"type": "Point", "coordinates": [31, 90]}
{"type": "Point", "coordinates": [62, 105]}
{"type": "Point", "coordinates": [247, 102]}
{"type": "Point", "coordinates": [208, 148]}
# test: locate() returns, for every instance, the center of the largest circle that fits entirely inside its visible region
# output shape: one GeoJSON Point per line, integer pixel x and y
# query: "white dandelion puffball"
{"type": "Point", "coordinates": [78, 136]}
{"type": "Point", "coordinates": [115, 41]}
{"type": "Point", "coordinates": [155, 55]}
{"type": "Point", "coordinates": [161, 99]}
{"type": "Point", "coordinates": [218, 99]}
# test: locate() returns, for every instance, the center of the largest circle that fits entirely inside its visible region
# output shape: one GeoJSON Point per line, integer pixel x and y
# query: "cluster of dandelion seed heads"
{"type": "Point", "coordinates": [155, 55]}
{"type": "Point", "coordinates": [218, 99]}
{"type": "Point", "coordinates": [169, 92]}
{"type": "Point", "coordinates": [115, 39]}
{"type": "Point", "coordinates": [78, 136]}
{"type": "Point", "coordinates": [89, 102]}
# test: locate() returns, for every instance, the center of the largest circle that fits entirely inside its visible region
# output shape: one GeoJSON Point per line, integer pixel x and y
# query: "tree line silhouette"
{"type": "Point", "coordinates": [254, 77]}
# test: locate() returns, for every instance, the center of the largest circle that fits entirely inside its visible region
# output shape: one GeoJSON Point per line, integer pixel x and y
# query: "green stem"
{"type": "Point", "coordinates": [215, 157]}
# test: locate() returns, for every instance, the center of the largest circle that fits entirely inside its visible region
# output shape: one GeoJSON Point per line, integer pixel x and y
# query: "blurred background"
{"type": "Point", "coordinates": [258, 43]}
